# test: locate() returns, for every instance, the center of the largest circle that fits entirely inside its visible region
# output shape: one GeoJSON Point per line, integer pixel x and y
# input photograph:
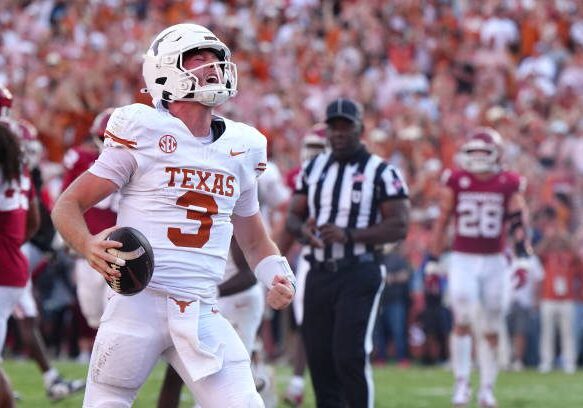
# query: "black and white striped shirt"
{"type": "Point", "coordinates": [348, 195]}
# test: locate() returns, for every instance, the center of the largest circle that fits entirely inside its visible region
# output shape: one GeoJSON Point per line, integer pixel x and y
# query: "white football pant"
{"type": "Point", "coordinates": [91, 292]}
{"type": "Point", "coordinates": [244, 310]}
{"type": "Point", "coordinates": [9, 296]}
{"type": "Point", "coordinates": [478, 290]}
{"type": "Point", "coordinates": [26, 305]}
{"type": "Point", "coordinates": [194, 338]}
{"type": "Point", "coordinates": [302, 268]}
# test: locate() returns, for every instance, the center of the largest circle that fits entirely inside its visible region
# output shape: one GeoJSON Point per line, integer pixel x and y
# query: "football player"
{"type": "Point", "coordinates": [19, 220]}
{"type": "Point", "coordinates": [187, 180]}
{"type": "Point", "coordinates": [91, 288]}
{"type": "Point", "coordinates": [484, 201]}
{"type": "Point", "coordinates": [36, 251]}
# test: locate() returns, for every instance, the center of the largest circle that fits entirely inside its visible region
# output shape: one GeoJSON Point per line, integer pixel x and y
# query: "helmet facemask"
{"type": "Point", "coordinates": [219, 78]}
{"type": "Point", "coordinates": [479, 160]}
{"type": "Point", "coordinates": [168, 80]}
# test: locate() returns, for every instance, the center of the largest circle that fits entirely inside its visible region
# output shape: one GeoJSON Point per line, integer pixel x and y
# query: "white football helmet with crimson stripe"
{"type": "Point", "coordinates": [28, 137]}
{"type": "Point", "coordinates": [5, 101]}
{"type": "Point", "coordinates": [99, 125]}
{"type": "Point", "coordinates": [482, 151]}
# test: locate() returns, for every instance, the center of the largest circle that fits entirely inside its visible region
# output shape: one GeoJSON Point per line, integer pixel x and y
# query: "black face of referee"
{"type": "Point", "coordinates": [344, 137]}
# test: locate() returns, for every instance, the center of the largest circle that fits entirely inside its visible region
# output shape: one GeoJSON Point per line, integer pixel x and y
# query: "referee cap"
{"type": "Point", "coordinates": [344, 108]}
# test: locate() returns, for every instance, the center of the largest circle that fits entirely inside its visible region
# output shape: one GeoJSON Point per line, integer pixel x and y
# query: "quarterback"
{"type": "Point", "coordinates": [485, 202]}
{"type": "Point", "coordinates": [187, 181]}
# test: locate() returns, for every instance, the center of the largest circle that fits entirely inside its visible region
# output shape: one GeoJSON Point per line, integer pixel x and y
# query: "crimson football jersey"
{"type": "Point", "coordinates": [480, 208]}
{"type": "Point", "coordinates": [15, 199]}
{"type": "Point", "coordinates": [103, 215]}
{"type": "Point", "coordinates": [291, 177]}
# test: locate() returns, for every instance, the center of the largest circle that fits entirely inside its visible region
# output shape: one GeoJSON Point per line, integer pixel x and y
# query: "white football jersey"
{"type": "Point", "coordinates": [181, 193]}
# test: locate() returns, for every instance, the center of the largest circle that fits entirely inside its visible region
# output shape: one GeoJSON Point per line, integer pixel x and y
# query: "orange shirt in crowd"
{"type": "Point", "coordinates": [563, 270]}
{"type": "Point", "coordinates": [529, 36]}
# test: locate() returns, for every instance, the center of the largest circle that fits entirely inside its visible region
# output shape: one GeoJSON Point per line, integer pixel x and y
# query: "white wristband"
{"type": "Point", "coordinates": [271, 266]}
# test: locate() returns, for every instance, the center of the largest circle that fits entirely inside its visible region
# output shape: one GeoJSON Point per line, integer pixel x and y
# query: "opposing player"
{"type": "Point", "coordinates": [91, 287]}
{"type": "Point", "coordinates": [19, 219]}
{"type": "Point", "coordinates": [188, 181]}
{"type": "Point", "coordinates": [37, 251]}
{"type": "Point", "coordinates": [483, 199]}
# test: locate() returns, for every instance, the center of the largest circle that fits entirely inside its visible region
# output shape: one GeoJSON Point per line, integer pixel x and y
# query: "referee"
{"type": "Point", "coordinates": [347, 203]}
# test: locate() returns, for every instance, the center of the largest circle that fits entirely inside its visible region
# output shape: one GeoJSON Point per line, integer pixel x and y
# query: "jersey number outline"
{"type": "Point", "coordinates": [195, 199]}
{"type": "Point", "coordinates": [479, 219]}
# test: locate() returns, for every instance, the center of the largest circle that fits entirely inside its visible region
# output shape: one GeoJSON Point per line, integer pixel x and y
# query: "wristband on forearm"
{"type": "Point", "coordinates": [271, 266]}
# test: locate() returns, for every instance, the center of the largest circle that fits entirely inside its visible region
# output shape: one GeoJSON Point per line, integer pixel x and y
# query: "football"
{"type": "Point", "coordinates": [139, 257]}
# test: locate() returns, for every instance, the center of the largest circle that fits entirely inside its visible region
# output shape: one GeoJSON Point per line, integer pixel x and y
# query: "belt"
{"type": "Point", "coordinates": [334, 265]}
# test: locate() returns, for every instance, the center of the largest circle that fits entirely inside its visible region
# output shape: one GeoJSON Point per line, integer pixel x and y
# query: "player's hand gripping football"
{"type": "Point", "coordinates": [95, 251]}
{"type": "Point", "coordinates": [281, 293]}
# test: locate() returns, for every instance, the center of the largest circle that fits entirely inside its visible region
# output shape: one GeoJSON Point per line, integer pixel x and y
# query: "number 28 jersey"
{"type": "Point", "coordinates": [480, 209]}
{"type": "Point", "coordinates": [181, 193]}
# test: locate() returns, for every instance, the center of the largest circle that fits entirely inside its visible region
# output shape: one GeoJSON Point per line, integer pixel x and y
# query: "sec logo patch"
{"type": "Point", "coordinates": [167, 143]}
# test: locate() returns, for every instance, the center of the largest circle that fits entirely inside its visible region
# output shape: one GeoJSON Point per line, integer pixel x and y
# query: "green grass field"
{"type": "Point", "coordinates": [408, 388]}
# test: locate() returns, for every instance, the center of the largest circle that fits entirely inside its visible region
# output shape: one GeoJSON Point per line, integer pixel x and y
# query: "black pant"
{"type": "Point", "coordinates": [340, 310]}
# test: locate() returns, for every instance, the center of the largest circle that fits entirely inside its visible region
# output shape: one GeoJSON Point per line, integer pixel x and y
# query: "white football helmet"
{"type": "Point", "coordinates": [168, 80]}
{"type": "Point", "coordinates": [97, 130]}
{"type": "Point", "coordinates": [5, 101]}
{"type": "Point", "coordinates": [314, 142]}
{"type": "Point", "coordinates": [27, 135]}
{"type": "Point", "coordinates": [482, 151]}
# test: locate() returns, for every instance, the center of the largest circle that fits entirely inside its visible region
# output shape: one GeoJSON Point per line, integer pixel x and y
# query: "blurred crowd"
{"type": "Point", "coordinates": [426, 71]}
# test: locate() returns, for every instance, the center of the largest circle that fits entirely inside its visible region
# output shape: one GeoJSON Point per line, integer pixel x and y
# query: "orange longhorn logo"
{"type": "Point", "coordinates": [182, 304]}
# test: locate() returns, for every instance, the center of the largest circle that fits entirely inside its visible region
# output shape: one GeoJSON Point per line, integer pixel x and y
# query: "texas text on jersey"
{"type": "Point", "coordinates": [180, 192]}
{"type": "Point", "coordinates": [481, 207]}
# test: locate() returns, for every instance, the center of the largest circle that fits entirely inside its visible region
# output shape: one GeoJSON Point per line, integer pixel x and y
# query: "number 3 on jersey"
{"type": "Point", "coordinates": [479, 219]}
{"type": "Point", "coordinates": [209, 207]}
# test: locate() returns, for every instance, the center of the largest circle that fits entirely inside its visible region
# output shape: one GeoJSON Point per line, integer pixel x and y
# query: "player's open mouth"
{"type": "Point", "coordinates": [212, 79]}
